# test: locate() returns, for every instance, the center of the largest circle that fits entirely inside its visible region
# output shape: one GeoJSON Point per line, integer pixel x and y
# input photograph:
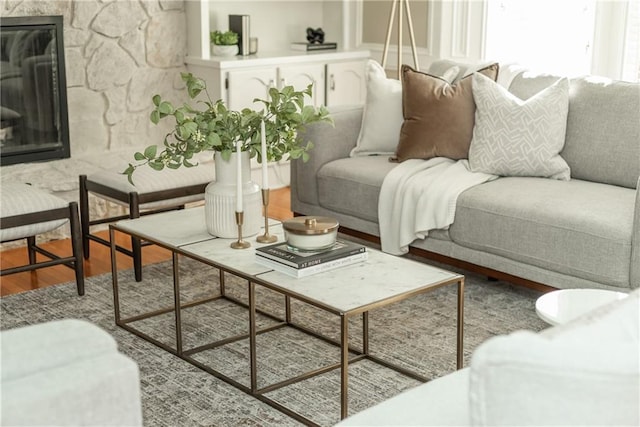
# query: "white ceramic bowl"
{"type": "Point", "coordinates": [310, 233]}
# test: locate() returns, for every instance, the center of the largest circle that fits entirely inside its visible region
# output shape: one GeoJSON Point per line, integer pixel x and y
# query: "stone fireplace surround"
{"type": "Point", "coordinates": [118, 55]}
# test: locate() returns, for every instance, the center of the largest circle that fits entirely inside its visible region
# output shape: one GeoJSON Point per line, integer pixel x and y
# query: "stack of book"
{"type": "Point", "coordinates": [314, 46]}
{"type": "Point", "coordinates": [301, 264]}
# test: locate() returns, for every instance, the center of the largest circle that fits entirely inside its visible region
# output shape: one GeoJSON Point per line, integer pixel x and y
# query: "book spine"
{"type": "Point", "coordinates": [295, 272]}
{"type": "Point", "coordinates": [285, 257]}
{"type": "Point", "coordinates": [240, 25]}
{"type": "Point", "coordinates": [321, 46]}
{"type": "Point", "coordinates": [330, 257]}
{"type": "Point", "coordinates": [332, 265]}
{"type": "Point", "coordinates": [311, 47]}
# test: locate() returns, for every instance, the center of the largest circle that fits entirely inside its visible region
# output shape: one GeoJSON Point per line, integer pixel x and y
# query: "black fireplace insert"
{"type": "Point", "coordinates": [34, 123]}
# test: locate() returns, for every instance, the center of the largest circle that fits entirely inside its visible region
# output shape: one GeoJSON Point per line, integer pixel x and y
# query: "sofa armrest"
{"type": "Point", "coordinates": [330, 143]}
{"type": "Point", "coordinates": [634, 273]}
{"type": "Point", "coordinates": [67, 372]}
{"type": "Point", "coordinates": [589, 365]}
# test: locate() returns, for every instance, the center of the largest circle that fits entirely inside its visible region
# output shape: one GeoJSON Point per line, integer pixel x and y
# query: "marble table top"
{"type": "Point", "coordinates": [358, 287]}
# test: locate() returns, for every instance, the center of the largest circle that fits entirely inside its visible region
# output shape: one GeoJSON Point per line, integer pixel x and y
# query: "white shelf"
{"type": "Point", "coordinates": [276, 58]}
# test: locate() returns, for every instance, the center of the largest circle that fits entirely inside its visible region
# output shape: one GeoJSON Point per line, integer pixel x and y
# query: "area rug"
{"type": "Point", "coordinates": [418, 334]}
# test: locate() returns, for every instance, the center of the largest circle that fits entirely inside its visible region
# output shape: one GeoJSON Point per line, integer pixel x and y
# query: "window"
{"type": "Point", "coordinates": [566, 37]}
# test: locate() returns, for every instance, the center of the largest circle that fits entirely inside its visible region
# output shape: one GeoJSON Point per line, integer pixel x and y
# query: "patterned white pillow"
{"type": "Point", "coordinates": [512, 137]}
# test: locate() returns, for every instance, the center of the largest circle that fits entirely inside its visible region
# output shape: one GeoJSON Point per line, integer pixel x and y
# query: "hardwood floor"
{"type": "Point", "coordinates": [100, 260]}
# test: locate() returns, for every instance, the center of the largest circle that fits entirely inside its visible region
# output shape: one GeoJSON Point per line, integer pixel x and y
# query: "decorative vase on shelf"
{"type": "Point", "coordinates": [224, 50]}
{"type": "Point", "coordinates": [220, 199]}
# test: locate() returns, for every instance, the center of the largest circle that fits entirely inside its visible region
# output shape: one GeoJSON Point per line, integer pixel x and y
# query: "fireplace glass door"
{"type": "Point", "coordinates": [33, 106]}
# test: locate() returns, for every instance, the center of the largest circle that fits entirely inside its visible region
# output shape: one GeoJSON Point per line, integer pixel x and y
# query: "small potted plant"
{"type": "Point", "coordinates": [224, 43]}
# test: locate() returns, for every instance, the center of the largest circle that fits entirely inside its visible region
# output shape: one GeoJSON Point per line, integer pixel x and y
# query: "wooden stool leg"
{"type": "Point", "coordinates": [136, 244]}
{"type": "Point", "coordinates": [31, 242]}
{"type": "Point", "coordinates": [84, 215]}
{"type": "Point", "coordinates": [76, 245]}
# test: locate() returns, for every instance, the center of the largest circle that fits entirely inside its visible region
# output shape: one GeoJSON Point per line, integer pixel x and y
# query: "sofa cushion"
{"type": "Point", "coordinates": [603, 131]}
{"type": "Point", "coordinates": [512, 137]}
{"type": "Point", "coordinates": [438, 117]}
{"type": "Point", "coordinates": [524, 219]}
{"type": "Point", "coordinates": [351, 186]}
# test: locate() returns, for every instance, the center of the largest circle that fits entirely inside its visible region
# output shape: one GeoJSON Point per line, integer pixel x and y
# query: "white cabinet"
{"type": "Point", "coordinates": [301, 76]}
{"type": "Point", "coordinates": [346, 83]}
{"type": "Point", "coordinates": [338, 77]}
{"type": "Point", "coordinates": [243, 86]}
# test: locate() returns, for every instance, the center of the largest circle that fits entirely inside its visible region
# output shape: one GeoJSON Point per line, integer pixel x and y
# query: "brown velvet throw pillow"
{"type": "Point", "coordinates": [438, 116]}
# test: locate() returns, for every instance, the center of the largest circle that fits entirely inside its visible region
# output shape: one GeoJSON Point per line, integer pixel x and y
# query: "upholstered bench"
{"type": "Point", "coordinates": [27, 212]}
{"type": "Point", "coordinates": [154, 191]}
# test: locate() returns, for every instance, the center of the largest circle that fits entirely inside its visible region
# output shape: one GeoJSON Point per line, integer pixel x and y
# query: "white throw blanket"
{"type": "Point", "coordinates": [420, 195]}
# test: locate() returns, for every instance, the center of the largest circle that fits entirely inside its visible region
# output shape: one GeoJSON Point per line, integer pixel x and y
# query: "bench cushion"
{"type": "Point", "coordinates": [148, 180]}
{"type": "Point", "coordinates": [571, 227]}
{"type": "Point", "coordinates": [20, 199]}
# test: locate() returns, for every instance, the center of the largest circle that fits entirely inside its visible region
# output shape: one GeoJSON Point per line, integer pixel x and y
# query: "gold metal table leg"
{"type": "Point", "coordinates": [344, 366]}
{"type": "Point", "coordinates": [176, 299]}
{"type": "Point", "coordinates": [460, 328]}
{"type": "Point", "coordinates": [252, 337]}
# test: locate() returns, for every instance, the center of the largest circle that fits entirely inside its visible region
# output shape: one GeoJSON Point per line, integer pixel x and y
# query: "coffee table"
{"type": "Point", "coordinates": [346, 292]}
{"type": "Point", "coordinates": [561, 306]}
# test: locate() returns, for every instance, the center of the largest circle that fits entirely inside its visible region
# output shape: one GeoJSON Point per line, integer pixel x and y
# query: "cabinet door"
{"type": "Point", "coordinates": [346, 83]}
{"type": "Point", "coordinates": [246, 85]}
{"type": "Point", "coordinates": [301, 76]}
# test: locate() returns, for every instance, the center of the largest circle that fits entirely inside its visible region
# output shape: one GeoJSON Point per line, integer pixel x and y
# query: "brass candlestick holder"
{"type": "Point", "coordinates": [240, 244]}
{"type": "Point", "coordinates": [266, 237]}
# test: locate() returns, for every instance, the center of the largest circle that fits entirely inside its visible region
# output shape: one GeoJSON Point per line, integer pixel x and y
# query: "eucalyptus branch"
{"type": "Point", "coordinates": [216, 128]}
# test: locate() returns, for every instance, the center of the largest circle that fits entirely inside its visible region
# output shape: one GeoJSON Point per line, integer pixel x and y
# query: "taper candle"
{"type": "Point", "coordinates": [265, 173]}
{"type": "Point", "coordinates": [239, 178]}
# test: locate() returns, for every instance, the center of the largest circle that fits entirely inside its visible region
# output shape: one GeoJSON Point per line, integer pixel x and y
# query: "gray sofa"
{"type": "Point", "coordinates": [584, 232]}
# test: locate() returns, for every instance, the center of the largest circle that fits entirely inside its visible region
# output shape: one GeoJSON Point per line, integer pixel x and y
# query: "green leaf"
{"type": "Point", "coordinates": [156, 165]}
{"type": "Point", "coordinates": [150, 152]}
{"type": "Point", "coordinates": [213, 140]}
{"type": "Point", "coordinates": [155, 117]}
{"type": "Point", "coordinates": [129, 172]}
{"type": "Point", "coordinates": [139, 156]}
{"type": "Point", "coordinates": [156, 100]}
{"type": "Point", "coordinates": [165, 108]}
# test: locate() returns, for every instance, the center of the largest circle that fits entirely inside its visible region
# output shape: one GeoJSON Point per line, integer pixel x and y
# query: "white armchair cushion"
{"type": "Point", "coordinates": [584, 373]}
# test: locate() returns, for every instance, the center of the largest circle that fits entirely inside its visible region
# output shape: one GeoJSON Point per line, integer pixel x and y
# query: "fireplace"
{"type": "Point", "coordinates": [34, 122]}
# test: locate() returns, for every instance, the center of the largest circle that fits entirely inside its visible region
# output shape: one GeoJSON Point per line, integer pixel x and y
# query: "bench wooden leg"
{"type": "Point", "coordinates": [84, 215]}
{"type": "Point", "coordinates": [136, 244]}
{"type": "Point", "coordinates": [76, 245]}
{"type": "Point", "coordinates": [31, 243]}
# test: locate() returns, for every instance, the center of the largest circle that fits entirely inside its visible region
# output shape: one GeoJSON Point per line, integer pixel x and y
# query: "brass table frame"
{"type": "Point", "coordinates": [252, 281]}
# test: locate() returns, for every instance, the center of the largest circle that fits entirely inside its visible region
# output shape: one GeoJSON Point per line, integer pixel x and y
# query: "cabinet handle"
{"type": "Point", "coordinates": [332, 85]}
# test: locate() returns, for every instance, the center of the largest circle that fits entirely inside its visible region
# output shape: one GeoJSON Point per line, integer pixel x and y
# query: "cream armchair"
{"type": "Point", "coordinates": [586, 372]}
{"type": "Point", "coordinates": [67, 372]}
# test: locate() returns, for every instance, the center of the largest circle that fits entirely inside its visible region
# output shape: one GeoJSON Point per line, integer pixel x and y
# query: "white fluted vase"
{"type": "Point", "coordinates": [220, 199]}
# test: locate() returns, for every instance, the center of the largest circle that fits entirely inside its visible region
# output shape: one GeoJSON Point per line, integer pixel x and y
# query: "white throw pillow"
{"type": "Point", "coordinates": [512, 137]}
{"type": "Point", "coordinates": [382, 116]}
